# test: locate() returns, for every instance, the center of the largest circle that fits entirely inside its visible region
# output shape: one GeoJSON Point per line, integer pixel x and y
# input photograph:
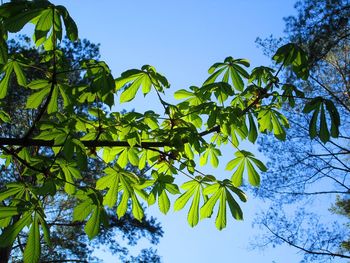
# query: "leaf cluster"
{"type": "Point", "coordinates": [231, 106]}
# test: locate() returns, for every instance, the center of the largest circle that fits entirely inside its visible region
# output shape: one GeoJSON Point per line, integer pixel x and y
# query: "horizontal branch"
{"type": "Point", "coordinates": [91, 143]}
{"type": "Point", "coordinates": [94, 143]}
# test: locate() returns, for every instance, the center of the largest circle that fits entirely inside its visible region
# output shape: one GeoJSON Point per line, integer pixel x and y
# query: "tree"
{"type": "Point", "coordinates": [68, 240]}
{"type": "Point", "coordinates": [56, 148]}
{"type": "Point", "coordinates": [308, 173]}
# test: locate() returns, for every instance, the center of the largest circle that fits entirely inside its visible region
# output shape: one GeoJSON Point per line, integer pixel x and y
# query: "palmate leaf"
{"type": "Point", "coordinates": [193, 190]}
{"type": "Point", "coordinates": [271, 120]}
{"type": "Point", "coordinates": [293, 55]}
{"type": "Point", "coordinates": [131, 80]}
{"type": "Point", "coordinates": [117, 180]}
{"type": "Point", "coordinates": [91, 205]}
{"type": "Point", "coordinates": [10, 68]}
{"type": "Point", "coordinates": [13, 189]}
{"type": "Point", "coordinates": [318, 105]}
{"type": "Point", "coordinates": [44, 15]}
{"type": "Point", "coordinates": [42, 89]}
{"type": "Point", "coordinates": [70, 173]}
{"type": "Point", "coordinates": [245, 161]}
{"type": "Point", "coordinates": [111, 181]}
{"type": "Point", "coordinates": [289, 94]}
{"type": "Point", "coordinates": [35, 99]}
{"type": "Point", "coordinates": [162, 184]}
{"type": "Point", "coordinates": [213, 153]}
{"type": "Point", "coordinates": [221, 192]}
{"type": "Point", "coordinates": [231, 68]}
{"type": "Point", "coordinates": [261, 75]}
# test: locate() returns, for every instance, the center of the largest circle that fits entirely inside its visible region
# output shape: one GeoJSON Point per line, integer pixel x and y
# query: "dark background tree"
{"type": "Point", "coordinates": [308, 180]}
{"type": "Point", "coordinates": [69, 241]}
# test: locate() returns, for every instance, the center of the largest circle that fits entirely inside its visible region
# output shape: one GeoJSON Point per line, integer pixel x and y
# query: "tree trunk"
{"type": "Point", "coordinates": [5, 254]}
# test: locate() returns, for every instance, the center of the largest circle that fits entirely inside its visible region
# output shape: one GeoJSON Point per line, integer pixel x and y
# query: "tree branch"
{"type": "Point", "coordinates": [308, 251]}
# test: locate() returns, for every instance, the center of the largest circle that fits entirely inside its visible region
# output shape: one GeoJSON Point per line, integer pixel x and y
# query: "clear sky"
{"type": "Point", "coordinates": [182, 39]}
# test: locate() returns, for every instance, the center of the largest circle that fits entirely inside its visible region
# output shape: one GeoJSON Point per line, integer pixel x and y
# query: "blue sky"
{"type": "Point", "coordinates": [182, 39]}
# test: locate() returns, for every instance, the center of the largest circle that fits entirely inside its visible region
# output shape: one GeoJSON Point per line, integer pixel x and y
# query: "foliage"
{"type": "Point", "coordinates": [68, 240]}
{"type": "Point", "coordinates": [231, 106]}
{"type": "Point", "coordinates": [311, 168]}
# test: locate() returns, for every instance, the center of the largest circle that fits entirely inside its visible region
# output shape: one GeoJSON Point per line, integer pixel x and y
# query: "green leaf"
{"type": "Point", "coordinates": [335, 118]}
{"type": "Point", "coordinates": [53, 107]}
{"type": "Point", "coordinates": [236, 79]}
{"type": "Point", "coordinates": [39, 84]}
{"type": "Point", "coordinates": [123, 204]}
{"type": "Point", "coordinates": [163, 202]}
{"type": "Point", "coordinates": [252, 134]}
{"type": "Point", "coordinates": [184, 198]}
{"type": "Point", "coordinates": [123, 159]}
{"type": "Point", "coordinates": [17, 22]}
{"type": "Point", "coordinates": [133, 157]}
{"type": "Point", "coordinates": [92, 226]}
{"type": "Point", "coordinates": [82, 210]}
{"type": "Point", "coordinates": [193, 213]}
{"type": "Point", "coordinates": [220, 221]}
{"type": "Point", "coordinates": [207, 208]}
{"type": "Point", "coordinates": [4, 117]}
{"type": "Point", "coordinates": [235, 209]}
{"type": "Point", "coordinates": [44, 24]}
{"type": "Point", "coordinates": [130, 92]}
{"type": "Point", "coordinates": [318, 106]}
{"type": "Point", "coordinates": [313, 124]}
{"type": "Point", "coordinates": [110, 181]}
{"type": "Point", "coordinates": [10, 233]}
{"type": "Point", "coordinates": [11, 190]}
{"type": "Point", "coordinates": [237, 177]}
{"type": "Point", "coordinates": [8, 211]}
{"type": "Point", "coordinates": [244, 161]}
{"type": "Point", "coordinates": [204, 158]}
{"type": "Point", "coordinates": [137, 210]}
{"type": "Point", "coordinates": [71, 27]}
{"type": "Point", "coordinates": [324, 133]}
{"type": "Point", "coordinates": [271, 120]}
{"type": "Point", "coordinates": [4, 83]}
{"type": "Point", "coordinates": [46, 230]}
{"type": "Point", "coordinates": [253, 176]}
{"type": "Point", "coordinates": [69, 172]}
{"type": "Point", "coordinates": [32, 249]}
{"type": "Point", "coordinates": [182, 94]}
{"type": "Point", "coordinates": [292, 55]}
{"type": "Point", "coordinates": [35, 99]}
{"type": "Point", "coordinates": [21, 79]}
